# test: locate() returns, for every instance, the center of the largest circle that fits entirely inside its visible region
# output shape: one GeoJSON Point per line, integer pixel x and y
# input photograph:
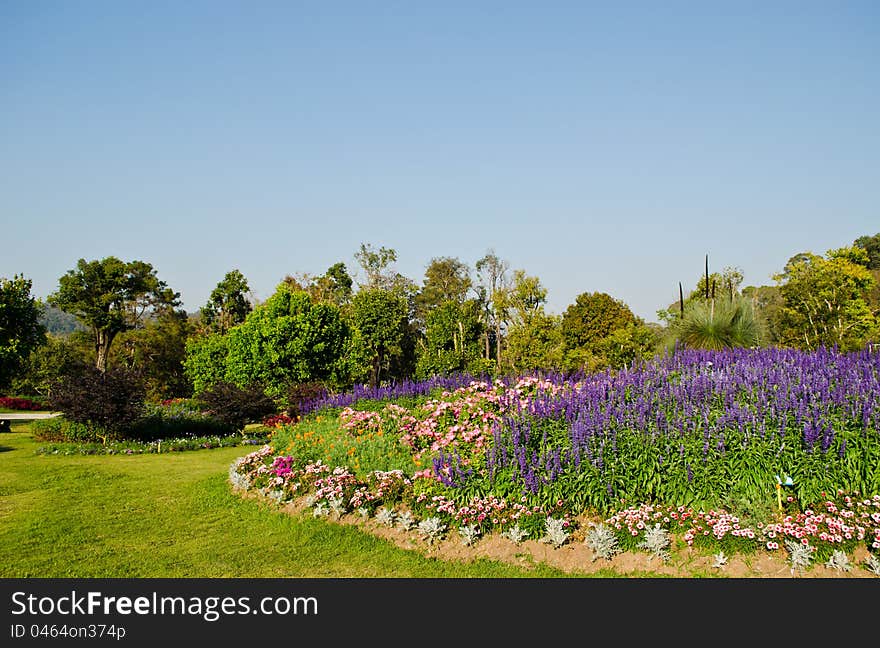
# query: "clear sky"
{"type": "Point", "coordinates": [600, 146]}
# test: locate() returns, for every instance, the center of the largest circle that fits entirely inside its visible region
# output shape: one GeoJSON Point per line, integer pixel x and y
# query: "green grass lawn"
{"type": "Point", "coordinates": [174, 516]}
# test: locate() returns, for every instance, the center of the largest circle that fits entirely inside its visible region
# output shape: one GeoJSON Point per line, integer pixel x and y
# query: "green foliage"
{"type": "Point", "coordinates": [236, 406]}
{"type": "Point", "coordinates": [629, 345]}
{"type": "Point", "coordinates": [227, 305]}
{"type": "Point", "coordinates": [177, 420]}
{"type": "Point", "coordinates": [47, 364]}
{"type": "Point", "coordinates": [767, 303]}
{"type": "Point", "coordinates": [826, 300]}
{"type": "Point", "coordinates": [61, 429]}
{"type": "Point", "coordinates": [526, 298]}
{"type": "Point", "coordinates": [20, 328]}
{"type": "Point", "coordinates": [322, 438]}
{"type": "Point", "coordinates": [109, 402]}
{"type": "Point", "coordinates": [592, 318]}
{"type": "Point", "coordinates": [535, 344]}
{"type": "Point", "coordinates": [871, 246]}
{"type": "Point", "coordinates": [287, 339]}
{"type": "Point", "coordinates": [721, 324]}
{"type": "Point", "coordinates": [453, 332]}
{"type": "Point", "coordinates": [205, 360]}
{"type": "Point", "coordinates": [380, 316]}
{"type": "Point", "coordinates": [157, 350]}
{"type": "Point", "coordinates": [110, 296]}
{"type": "Point", "coordinates": [447, 279]}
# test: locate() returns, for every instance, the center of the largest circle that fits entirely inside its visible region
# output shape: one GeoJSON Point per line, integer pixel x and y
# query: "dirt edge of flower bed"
{"type": "Point", "coordinates": [575, 557]}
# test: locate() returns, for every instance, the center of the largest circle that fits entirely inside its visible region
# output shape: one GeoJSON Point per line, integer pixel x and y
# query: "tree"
{"type": "Point", "coordinates": [871, 245]}
{"type": "Point", "coordinates": [592, 318]}
{"type": "Point", "coordinates": [628, 345]}
{"type": "Point", "coordinates": [380, 317]}
{"type": "Point", "coordinates": [20, 328]}
{"type": "Point", "coordinates": [826, 300]}
{"type": "Point", "coordinates": [535, 344]}
{"type": "Point", "coordinates": [333, 287]}
{"type": "Point", "coordinates": [287, 339]}
{"type": "Point", "coordinates": [526, 298]}
{"type": "Point", "coordinates": [228, 304]}
{"type": "Point", "coordinates": [767, 304]}
{"type": "Point", "coordinates": [492, 291]}
{"type": "Point", "coordinates": [47, 364]}
{"type": "Point", "coordinates": [110, 296]}
{"type": "Point", "coordinates": [451, 344]}
{"type": "Point", "coordinates": [204, 364]}
{"type": "Point", "coordinates": [375, 265]}
{"type": "Point", "coordinates": [157, 351]}
{"type": "Point", "coordinates": [447, 279]}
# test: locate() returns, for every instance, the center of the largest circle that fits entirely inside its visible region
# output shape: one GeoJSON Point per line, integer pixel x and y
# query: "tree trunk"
{"type": "Point", "coordinates": [103, 339]}
{"type": "Point", "coordinates": [498, 344]}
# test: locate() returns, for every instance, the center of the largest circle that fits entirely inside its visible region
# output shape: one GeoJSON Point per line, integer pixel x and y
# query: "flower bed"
{"type": "Point", "coordinates": [701, 440]}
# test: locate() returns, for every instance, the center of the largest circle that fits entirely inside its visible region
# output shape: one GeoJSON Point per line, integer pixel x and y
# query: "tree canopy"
{"type": "Point", "coordinates": [111, 296]}
{"type": "Point", "coordinates": [20, 328]}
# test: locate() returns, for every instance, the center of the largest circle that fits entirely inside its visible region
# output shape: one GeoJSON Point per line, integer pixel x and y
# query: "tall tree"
{"type": "Point", "coordinates": [380, 316]}
{"type": "Point", "coordinates": [452, 338]}
{"type": "Point", "coordinates": [228, 303]}
{"type": "Point", "coordinates": [447, 279]}
{"type": "Point", "coordinates": [535, 344]}
{"type": "Point", "coordinates": [375, 264]}
{"type": "Point", "coordinates": [20, 328]}
{"type": "Point", "coordinates": [111, 296]}
{"type": "Point", "coordinates": [826, 299]}
{"type": "Point", "coordinates": [157, 351]}
{"type": "Point", "coordinates": [871, 245]}
{"type": "Point", "coordinates": [526, 298]}
{"type": "Point", "coordinates": [493, 288]}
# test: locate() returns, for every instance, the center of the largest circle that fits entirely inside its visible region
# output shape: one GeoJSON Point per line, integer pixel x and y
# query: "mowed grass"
{"type": "Point", "coordinates": [174, 516]}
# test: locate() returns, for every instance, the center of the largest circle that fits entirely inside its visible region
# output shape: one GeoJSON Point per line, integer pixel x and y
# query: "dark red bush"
{"type": "Point", "coordinates": [20, 404]}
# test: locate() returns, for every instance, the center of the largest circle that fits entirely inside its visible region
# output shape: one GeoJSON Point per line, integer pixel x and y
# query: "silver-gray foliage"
{"type": "Point", "coordinates": [405, 521]}
{"type": "Point", "coordinates": [320, 510]}
{"type": "Point", "coordinates": [364, 511]}
{"type": "Point", "coordinates": [469, 534]}
{"type": "Point", "coordinates": [720, 560]}
{"type": "Point", "coordinates": [555, 531]}
{"type": "Point", "coordinates": [515, 534]}
{"type": "Point", "coordinates": [839, 561]}
{"type": "Point", "coordinates": [386, 516]}
{"type": "Point", "coordinates": [337, 505]}
{"type": "Point", "coordinates": [872, 564]}
{"type": "Point", "coordinates": [656, 541]}
{"type": "Point", "coordinates": [800, 555]}
{"type": "Point", "coordinates": [239, 480]}
{"type": "Point", "coordinates": [432, 529]}
{"type": "Point", "coordinates": [603, 541]}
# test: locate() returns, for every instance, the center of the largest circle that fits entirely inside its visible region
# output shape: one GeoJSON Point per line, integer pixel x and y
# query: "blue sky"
{"type": "Point", "coordinates": [600, 146]}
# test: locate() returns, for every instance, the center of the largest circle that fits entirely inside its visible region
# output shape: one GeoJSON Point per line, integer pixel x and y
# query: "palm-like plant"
{"type": "Point", "coordinates": [717, 324]}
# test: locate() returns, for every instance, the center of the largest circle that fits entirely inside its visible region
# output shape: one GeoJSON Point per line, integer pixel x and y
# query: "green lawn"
{"type": "Point", "coordinates": [174, 516]}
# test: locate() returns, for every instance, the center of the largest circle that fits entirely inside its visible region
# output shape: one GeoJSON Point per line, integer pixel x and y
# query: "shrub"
{"type": "Point", "coordinates": [205, 362]}
{"type": "Point", "coordinates": [60, 429]}
{"type": "Point", "coordinates": [236, 406]}
{"type": "Point", "coordinates": [108, 402]}
{"type": "Point", "coordinates": [177, 420]}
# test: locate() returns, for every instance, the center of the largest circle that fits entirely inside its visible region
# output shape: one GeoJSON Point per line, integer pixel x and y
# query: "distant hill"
{"type": "Point", "coordinates": [57, 322]}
